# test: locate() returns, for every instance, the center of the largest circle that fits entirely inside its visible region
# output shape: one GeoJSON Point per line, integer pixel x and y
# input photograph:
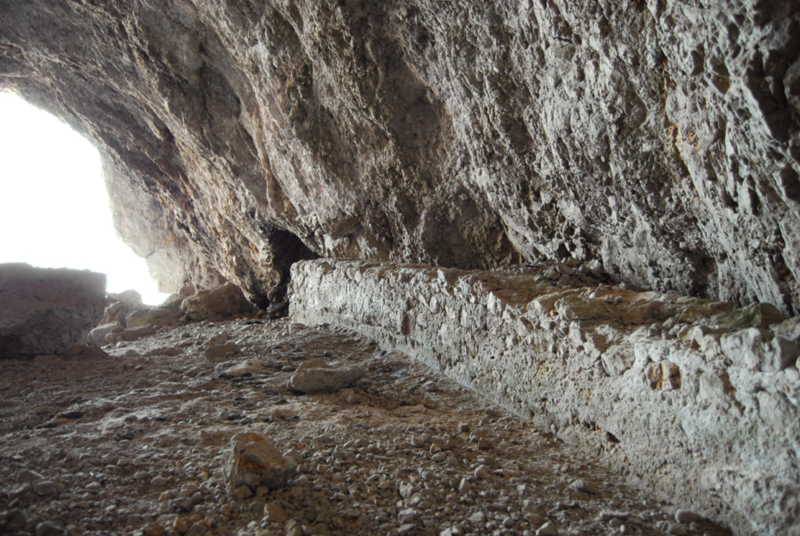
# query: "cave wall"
{"type": "Point", "coordinates": [659, 138]}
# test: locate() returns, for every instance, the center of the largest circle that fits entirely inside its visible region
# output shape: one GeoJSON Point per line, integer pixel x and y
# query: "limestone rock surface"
{"type": "Point", "coordinates": [45, 311]}
{"type": "Point", "coordinates": [659, 139]}
{"type": "Point", "coordinates": [648, 382]}
{"type": "Point", "coordinates": [220, 303]}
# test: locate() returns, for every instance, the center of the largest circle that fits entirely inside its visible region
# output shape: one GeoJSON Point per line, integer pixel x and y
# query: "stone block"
{"type": "Point", "coordinates": [221, 303]}
{"type": "Point", "coordinates": [46, 311]}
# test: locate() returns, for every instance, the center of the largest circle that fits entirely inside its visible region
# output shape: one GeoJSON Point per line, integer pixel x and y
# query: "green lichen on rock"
{"type": "Point", "coordinates": [760, 315]}
{"type": "Point", "coordinates": [697, 310]}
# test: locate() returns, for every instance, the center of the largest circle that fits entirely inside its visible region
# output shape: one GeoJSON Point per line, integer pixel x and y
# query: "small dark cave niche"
{"type": "Point", "coordinates": [287, 249]}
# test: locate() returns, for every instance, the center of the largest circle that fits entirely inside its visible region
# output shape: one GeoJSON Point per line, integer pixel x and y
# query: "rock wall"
{"type": "Point", "coordinates": [659, 138]}
{"type": "Point", "coordinates": [691, 397]}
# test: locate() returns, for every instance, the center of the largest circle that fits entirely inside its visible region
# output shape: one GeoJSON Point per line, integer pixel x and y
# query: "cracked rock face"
{"type": "Point", "coordinates": [660, 138]}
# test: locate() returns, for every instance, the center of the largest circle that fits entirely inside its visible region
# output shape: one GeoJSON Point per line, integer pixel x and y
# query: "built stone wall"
{"type": "Point", "coordinates": [47, 311]}
{"type": "Point", "coordinates": [692, 397]}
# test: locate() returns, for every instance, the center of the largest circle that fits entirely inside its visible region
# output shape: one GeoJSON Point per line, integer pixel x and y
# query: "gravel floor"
{"type": "Point", "coordinates": [132, 443]}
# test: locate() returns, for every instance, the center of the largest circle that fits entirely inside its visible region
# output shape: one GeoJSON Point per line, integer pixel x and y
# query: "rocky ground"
{"type": "Point", "coordinates": [133, 442]}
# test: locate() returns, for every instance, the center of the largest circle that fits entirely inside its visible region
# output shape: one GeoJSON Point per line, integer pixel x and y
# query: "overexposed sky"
{"type": "Point", "coordinates": [54, 209]}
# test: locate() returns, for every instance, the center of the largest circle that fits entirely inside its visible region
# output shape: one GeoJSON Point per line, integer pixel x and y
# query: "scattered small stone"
{"type": "Point", "coordinates": [548, 529]}
{"type": "Point", "coordinates": [273, 512]}
{"type": "Point", "coordinates": [27, 475]}
{"type": "Point", "coordinates": [405, 529]}
{"type": "Point", "coordinates": [243, 492]}
{"type": "Point", "coordinates": [687, 516]}
{"type": "Point", "coordinates": [49, 528]}
{"type": "Point", "coordinates": [419, 441]}
{"type": "Point", "coordinates": [45, 487]}
{"type": "Point", "coordinates": [481, 472]}
{"type": "Point", "coordinates": [478, 518]}
{"type": "Point", "coordinates": [407, 515]}
{"type": "Point", "coordinates": [407, 490]}
{"type": "Point", "coordinates": [607, 515]}
{"type": "Point", "coordinates": [584, 486]}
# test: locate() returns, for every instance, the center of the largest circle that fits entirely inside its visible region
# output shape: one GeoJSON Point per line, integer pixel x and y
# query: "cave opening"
{"type": "Point", "coordinates": [54, 208]}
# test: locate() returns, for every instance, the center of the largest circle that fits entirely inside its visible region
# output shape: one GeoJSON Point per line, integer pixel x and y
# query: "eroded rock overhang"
{"type": "Point", "coordinates": [692, 397]}
{"type": "Point", "coordinates": [657, 137]}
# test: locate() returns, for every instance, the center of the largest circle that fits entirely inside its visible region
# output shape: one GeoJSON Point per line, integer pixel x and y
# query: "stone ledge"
{"type": "Point", "coordinates": [691, 397]}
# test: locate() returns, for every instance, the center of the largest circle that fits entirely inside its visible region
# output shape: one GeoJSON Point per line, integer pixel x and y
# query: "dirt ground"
{"type": "Point", "coordinates": [132, 443]}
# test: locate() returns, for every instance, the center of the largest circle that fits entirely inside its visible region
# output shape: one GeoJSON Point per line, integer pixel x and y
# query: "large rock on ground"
{"type": "Point", "coordinates": [46, 311]}
{"type": "Point", "coordinates": [221, 303]}
{"type": "Point", "coordinates": [317, 376]}
{"type": "Point", "coordinates": [253, 461]}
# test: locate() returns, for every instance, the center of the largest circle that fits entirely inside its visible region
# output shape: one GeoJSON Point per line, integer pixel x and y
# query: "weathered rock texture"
{"type": "Point", "coordinates": [658, 137]}
{"type": "Point", "coordinates": [221, 303]}
{"type": "Point", "coordinates": [692, 397]}
{"type": "Point", "coordinates": [45, 311]}
{"type": "Point", "coordinates": [318, 376]}
{"type": "Point", "coordinates": [253, 461]}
